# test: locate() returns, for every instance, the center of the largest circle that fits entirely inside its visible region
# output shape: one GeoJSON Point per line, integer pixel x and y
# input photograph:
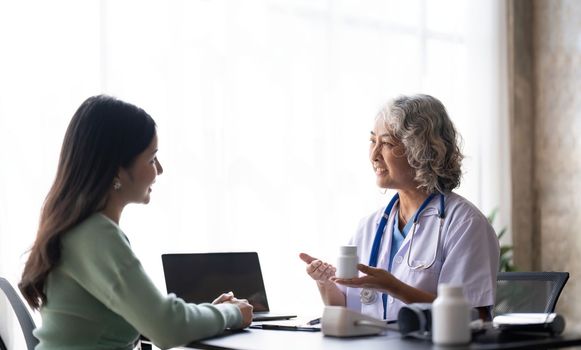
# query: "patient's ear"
{"type": "Point", "coordinates": [121, 179]}
{"type": "Point", "coordinates": [124, 175]}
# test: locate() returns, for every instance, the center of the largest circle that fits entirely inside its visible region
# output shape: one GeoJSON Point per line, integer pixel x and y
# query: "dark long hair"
{"type": "Point", "coordinates": [104, 135]}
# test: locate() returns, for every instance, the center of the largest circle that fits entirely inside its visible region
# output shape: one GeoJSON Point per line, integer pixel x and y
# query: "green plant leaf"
{"type": "Point", "coordinates": [492, 216]}
{"type": "Point", "coordinates": [501, 233]}
{"type": "Point", "coordinates": [505, 262]}
{"type": "Point", "coordinates": [505, 249]}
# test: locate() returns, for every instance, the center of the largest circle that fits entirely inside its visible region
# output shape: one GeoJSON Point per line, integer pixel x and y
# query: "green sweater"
{"type": "Point", "coordinates": [99, 297]}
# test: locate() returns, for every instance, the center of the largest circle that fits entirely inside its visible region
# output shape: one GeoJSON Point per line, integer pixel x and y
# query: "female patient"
{"type": "Point", "coordinates": [90, 288]}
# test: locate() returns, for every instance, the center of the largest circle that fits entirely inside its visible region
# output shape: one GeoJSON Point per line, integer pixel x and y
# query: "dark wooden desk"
{"type": "Point", "coordinates": [257, 339]}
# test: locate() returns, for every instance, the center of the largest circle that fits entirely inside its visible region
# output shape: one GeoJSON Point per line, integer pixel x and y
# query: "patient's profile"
{"type": "Point", "coordinates": [83, 276]}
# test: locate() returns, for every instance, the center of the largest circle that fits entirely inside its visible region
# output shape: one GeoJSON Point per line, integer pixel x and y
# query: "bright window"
{"type": "Point", "coordinates": [264, 110]}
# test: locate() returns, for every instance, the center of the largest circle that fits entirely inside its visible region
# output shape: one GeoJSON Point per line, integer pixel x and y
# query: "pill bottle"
{"type": "Point", "coordinates": [450, 316]}
{"type": "Point", "coordinates": [347, 262]}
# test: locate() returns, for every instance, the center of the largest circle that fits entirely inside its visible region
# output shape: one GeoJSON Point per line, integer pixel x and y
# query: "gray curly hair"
{"type": "Point", "coordinates": [430, 140]}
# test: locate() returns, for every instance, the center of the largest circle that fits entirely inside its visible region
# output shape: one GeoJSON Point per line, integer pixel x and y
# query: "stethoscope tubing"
{"type": "Point", "coordinates": [383, 222]}
{"type": "Point", "coordinates": [379, 235]}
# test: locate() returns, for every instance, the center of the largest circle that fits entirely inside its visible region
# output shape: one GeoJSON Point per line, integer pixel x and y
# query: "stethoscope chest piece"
{"type": "Point", "coordinates": [368, 296]}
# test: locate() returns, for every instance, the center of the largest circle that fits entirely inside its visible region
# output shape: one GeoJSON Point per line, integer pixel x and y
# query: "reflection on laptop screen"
{"type": "Point", "coordinates": [200, 278]}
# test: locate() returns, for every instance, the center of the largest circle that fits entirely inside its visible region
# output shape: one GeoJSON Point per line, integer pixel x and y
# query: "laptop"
{"type": "Point", "coordinates": [202, 277]}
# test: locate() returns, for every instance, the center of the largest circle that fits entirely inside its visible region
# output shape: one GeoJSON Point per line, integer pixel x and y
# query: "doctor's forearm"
{"type": "Point", "coordinates": [409, 294]}
{"type": "Point", "coordinates": [330, 294]}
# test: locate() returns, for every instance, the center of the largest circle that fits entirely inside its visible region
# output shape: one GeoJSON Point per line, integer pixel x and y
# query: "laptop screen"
{"type": "Point", "coordinates": [202, 277]}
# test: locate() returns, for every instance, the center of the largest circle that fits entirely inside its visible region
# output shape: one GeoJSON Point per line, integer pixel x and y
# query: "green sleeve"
{"type": "Point", "coordinates": [99, 258]}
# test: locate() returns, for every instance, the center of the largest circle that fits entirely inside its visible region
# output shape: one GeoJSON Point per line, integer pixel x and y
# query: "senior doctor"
{"type": "Point", "coordinates": [427, 234]}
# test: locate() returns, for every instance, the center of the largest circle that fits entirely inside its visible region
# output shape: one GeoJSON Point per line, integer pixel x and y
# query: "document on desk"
{"type": "Point", "coordinates": [289, 325]}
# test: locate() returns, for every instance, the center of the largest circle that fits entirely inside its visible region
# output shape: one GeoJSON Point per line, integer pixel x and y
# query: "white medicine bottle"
{"type": "Point", "coordinates": [347, 262]}
{"type": "Point", "coordinates": [450, 316]}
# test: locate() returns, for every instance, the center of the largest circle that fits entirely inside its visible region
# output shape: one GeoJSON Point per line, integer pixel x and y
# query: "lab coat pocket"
{"type": "Point", "coordinates": [420, 266]}
{"type": "Point", "coordinates": [423, 277]}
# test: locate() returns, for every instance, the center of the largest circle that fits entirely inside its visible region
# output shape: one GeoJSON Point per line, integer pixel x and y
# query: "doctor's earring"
{"type": "Point", "coordinates": [116, 184]}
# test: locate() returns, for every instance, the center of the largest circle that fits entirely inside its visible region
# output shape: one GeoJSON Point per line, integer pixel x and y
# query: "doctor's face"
{"type": "Point", "coordinates": [387, 156]}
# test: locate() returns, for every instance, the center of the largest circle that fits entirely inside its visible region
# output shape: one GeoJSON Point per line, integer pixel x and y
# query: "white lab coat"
{"type": "Point", "coordinates": [468, 255]}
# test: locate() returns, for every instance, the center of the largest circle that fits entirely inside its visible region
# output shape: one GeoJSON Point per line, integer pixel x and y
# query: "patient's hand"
{"type": "Point", "coordinates": [243, 305]}
{"type": "Point", "coordinates": [223, 298]}
{"type": "Point", "coordinates": [245, 309]}
{"type": "Point", "coordinates": [318, 270]}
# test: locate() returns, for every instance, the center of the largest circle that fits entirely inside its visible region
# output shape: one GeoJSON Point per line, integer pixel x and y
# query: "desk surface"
{"type": "Point", "coordinates": [257, 339]}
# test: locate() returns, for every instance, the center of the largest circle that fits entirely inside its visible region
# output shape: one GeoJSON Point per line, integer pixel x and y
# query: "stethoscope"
{"type": "Point", "coordinates": [369, 296]}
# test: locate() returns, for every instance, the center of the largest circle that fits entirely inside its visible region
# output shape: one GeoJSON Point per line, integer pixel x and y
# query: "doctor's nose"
{"type": "Point", "coordinates": [375, 154]}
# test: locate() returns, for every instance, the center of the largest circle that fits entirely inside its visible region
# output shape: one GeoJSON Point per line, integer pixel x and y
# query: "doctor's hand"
{"type": "Point", "coordinates": [374, 278]}
{"type": "Point", "coordinates": [318, 270]}
{"type": "Point", "coordinates": [382, 280]}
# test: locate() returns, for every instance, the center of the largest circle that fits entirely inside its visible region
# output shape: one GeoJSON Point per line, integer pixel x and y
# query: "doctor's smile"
{"type": "Point", "coordinates": [379, 171]}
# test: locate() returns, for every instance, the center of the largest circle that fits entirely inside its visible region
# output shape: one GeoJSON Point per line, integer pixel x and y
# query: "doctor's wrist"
{"type": "Point", "coordinates": [325, 283]}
